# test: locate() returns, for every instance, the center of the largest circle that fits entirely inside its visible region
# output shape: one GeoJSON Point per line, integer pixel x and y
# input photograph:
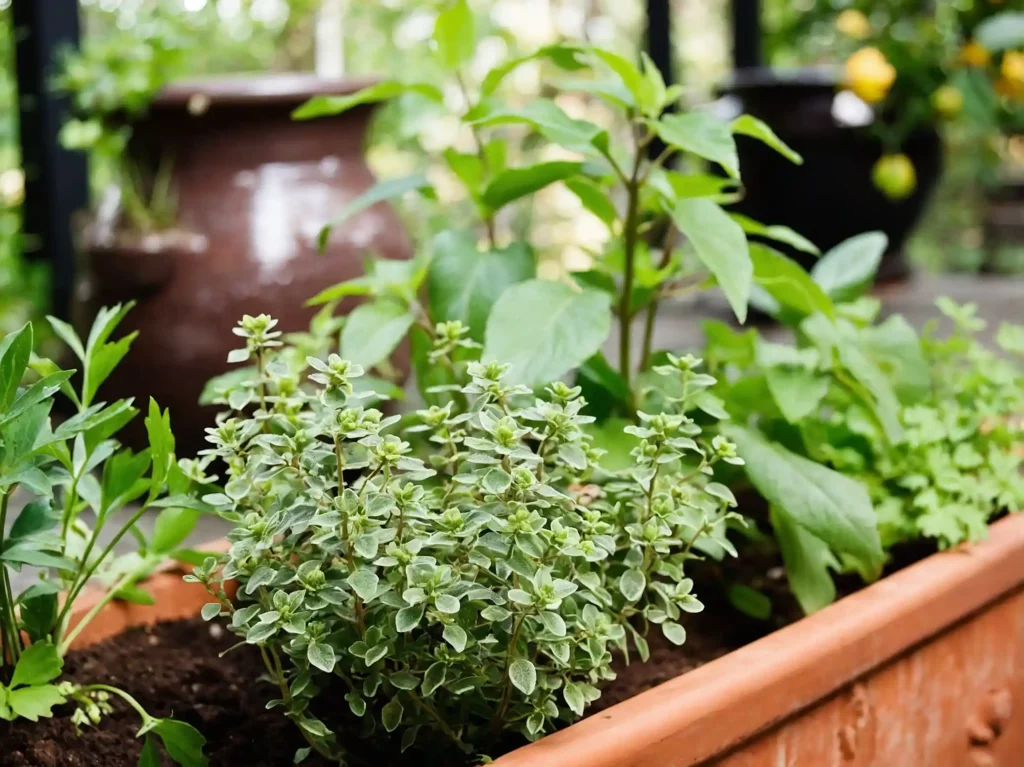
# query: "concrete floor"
{"type": "Point", "coordinates": [998, 297]}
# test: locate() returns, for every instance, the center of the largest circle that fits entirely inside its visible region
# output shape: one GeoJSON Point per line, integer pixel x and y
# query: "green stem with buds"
{"type": "Point", "coordinates": [11, 636]}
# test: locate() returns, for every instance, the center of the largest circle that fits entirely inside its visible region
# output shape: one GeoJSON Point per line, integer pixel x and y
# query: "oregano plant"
{"type": "Point", "coordinates": [85, 494]}
{"type": "Point", "coordinates": [464, 570]}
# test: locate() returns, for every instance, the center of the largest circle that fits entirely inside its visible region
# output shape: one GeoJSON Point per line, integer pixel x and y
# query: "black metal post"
{"type": "Point", "coordinates": [56, 180]}
{"type": "Point", "coordinates": [659, 48]}
{"type": "Point", "coordinates": [746, 33]}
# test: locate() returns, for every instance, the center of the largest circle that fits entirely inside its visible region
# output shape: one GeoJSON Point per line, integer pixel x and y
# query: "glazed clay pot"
{"type": "Point", "coordinates": [831, 196]}
{"type": "Point", "coordinates": [254, 188]}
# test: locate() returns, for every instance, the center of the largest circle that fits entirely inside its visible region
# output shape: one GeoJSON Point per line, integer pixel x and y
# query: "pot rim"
{"type": "Point", "coordinates": [277, 89]}
{"type": "Point", "coordinates": [708, 711]}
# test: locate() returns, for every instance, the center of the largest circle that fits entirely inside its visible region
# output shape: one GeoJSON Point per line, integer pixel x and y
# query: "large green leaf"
{"type": "Point", "coordinates": [787, 282]}
{"type": "Point", "coordinates": [379, 192]}
{"type": "Point", "coordinates": [829, 505]}
{"type": "Point", "coordinates": [796, 390]}
{"type": "Point", "coordinates": [464, 283]}
{"type": "Point", "coordinates": [807, 560]}
{"type": "Point", "coordinates": [373, 330]}
{"type": "Point", "coordinates": [702, 134]}
{"type": "Point", "coordinates": [325, 106]}
{"type": "Point", "coordinates": [720, 245]}
{"type": "Point", "coordinates": [514, 183]}
{"type": "Point", "coordinates": [564, 55]}
{"type": "Point", "coordinates": [544, 329]}
{"type": "Point", "coordinates": [748, 125]}
{"type": "Point", "coordinates": [455, 34]}
{"type": "Point", "coordinates": [850, 266]}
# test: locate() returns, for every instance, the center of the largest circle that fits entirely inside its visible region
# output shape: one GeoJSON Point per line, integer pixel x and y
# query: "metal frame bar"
{"type": "Point", "coordinates": [56, 180]}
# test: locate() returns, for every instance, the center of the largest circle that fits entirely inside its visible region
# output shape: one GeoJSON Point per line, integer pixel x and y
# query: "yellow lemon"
{"type": "Point", "coordinates": [948, 101]}
{"type": "Point", "coordinates": [869, 74]}
{"type": "Point", "coordinates": [974, 54]}
{"type": "Point", "coordinates": [1013, 66]}
{"type": "Point", "coordinates": [894, 176]}
{"type": "Point", "coordinates": [853, 23]}
{"type": "Point", "coordinates": [1011, 89]}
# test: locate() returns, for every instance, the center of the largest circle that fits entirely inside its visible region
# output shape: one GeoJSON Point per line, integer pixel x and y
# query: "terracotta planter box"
{"type": "Point", "coordinates": [923, 669]}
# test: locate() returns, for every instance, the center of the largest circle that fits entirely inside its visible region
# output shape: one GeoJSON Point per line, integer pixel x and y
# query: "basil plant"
{"type": "Point", "coordinates": [464, 570]}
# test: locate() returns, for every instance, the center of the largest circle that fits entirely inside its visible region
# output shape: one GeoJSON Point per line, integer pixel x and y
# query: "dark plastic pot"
{"type": "Point", "coordinates": [831, 196]}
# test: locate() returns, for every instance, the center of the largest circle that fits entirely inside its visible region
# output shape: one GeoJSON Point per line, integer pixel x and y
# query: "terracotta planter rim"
{"type": "Point", "coordinates": [286, 89]}
{"type": "Point", "coordinates": [704, 713]}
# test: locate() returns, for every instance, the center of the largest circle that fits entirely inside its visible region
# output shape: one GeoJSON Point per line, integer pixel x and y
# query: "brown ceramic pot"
{"type": "Point", "coordinates": [253, 188]}
{"type": "Point", "coordinates": [922, 669]}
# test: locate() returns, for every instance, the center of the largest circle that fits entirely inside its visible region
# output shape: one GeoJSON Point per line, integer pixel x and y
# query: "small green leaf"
{"type": "Point", "coordinates": [150, 755]}
{"type": "Point", "coordinates": [364, 583]}
{"type": "Point", "coordinates": [750, 601]}
{"type": "Point", "coordinates": [846, 270]}
{"type": "Point", "coordinates": [673, 632]}
{"type": "Point", "coordinates": [391, 715]}
{"type": "Point", "coordinates": [382, 191]}
{"type": "Point", "coordinates": [326, 106]}
{"type": "Point", "coordinates": [496, 481]}
{"type": "Point", "coordinates": [778, 233]}
{"type": "Point", "coordinates": [183, 742]}
{"type": "Point", "coordinates": [373, 330]}
{"type": "Point", "coordinates": [34, 702]}
{"type": "Point", "coordinates": [39, 664]}
{"type": "Point", "coordinates": [574, 698]}
{"type": "Point", "coordinates": [434, 678]}
{"type": "Point", "coordinates": [15, 351]}
{"type": "Point", "coordinates": [787, 282]}
{"type": "Point", "coordinates": [446, 603]}
{"type": "Point", "coordinates": [455, 636]}
{"type": "Point", "coordinates": [632, 585]}
{"type": "Point", "coordinates": [408, 618]}
{"type": "Point", "coordinates": [514, 183]}
{"type": "Point", "coordinates": [594, 199]}
{"type": "Point", "coordinates": [523, 676]}
{"type": "Point", "coordinates": [721, 246]}
{"type": "Point", "coordinates": [321, 655]}
{"type": "Point", "coordinates": [798, 392]}
{"type": "Point", "coordinates": [550, 121]}
{"type": "Point", "coordinates": [210, 610]}
{"type": "Point", "coordinates": [171, 528]}
{"type": "Point", "coordinates": [544, 329]}
{"type": "Point", "coordinates": [747, 125]}
{"type": "Point", "coordinates": [702, 134]}
{"type": "Point", "coordinates": [455, 34]}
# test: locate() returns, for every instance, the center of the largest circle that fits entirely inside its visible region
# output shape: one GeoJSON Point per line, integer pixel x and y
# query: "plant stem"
{"type": "Point", "coordinates": [488, 217]}
{"type": "Point", "coordinates": [652, 308]}
{"type": "Point", "coordinates": [123, 696]}
{"type": "Point", "coordinates": [442, 724]}
{"type": "Point", "coordinates": [506, 693]}
{"type": "Point", "coordinates": [88, 570]}
{"type": "Point", "coordinates": [11, 636]}
{"type": "Point", "coordinates": [629, 241]}
{"type": "Point", "coordinates": [123, 581]}
{"type": "Point", "coordinates": [349, 556]}
{"type": "Point", "coordinates": [273, 664]}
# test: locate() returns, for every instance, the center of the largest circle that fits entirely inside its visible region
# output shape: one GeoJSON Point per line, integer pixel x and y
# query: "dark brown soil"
{"type": "Point", "coordinates": [174, 668]}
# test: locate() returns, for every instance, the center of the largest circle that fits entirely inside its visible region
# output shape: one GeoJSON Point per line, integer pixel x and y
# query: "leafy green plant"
{"type": "Point", "coordinates": [924, 431]}
{"type": "Point", "coordinates": [82, 481]}
{"type": "Point", "coordinates": [546, 328]}
{"type": "Point", "coordinates": [473, 582]}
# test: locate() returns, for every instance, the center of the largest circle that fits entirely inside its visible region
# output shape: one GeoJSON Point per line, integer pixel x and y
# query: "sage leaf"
{"type": "Point", "coordinates": [806, 559]}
